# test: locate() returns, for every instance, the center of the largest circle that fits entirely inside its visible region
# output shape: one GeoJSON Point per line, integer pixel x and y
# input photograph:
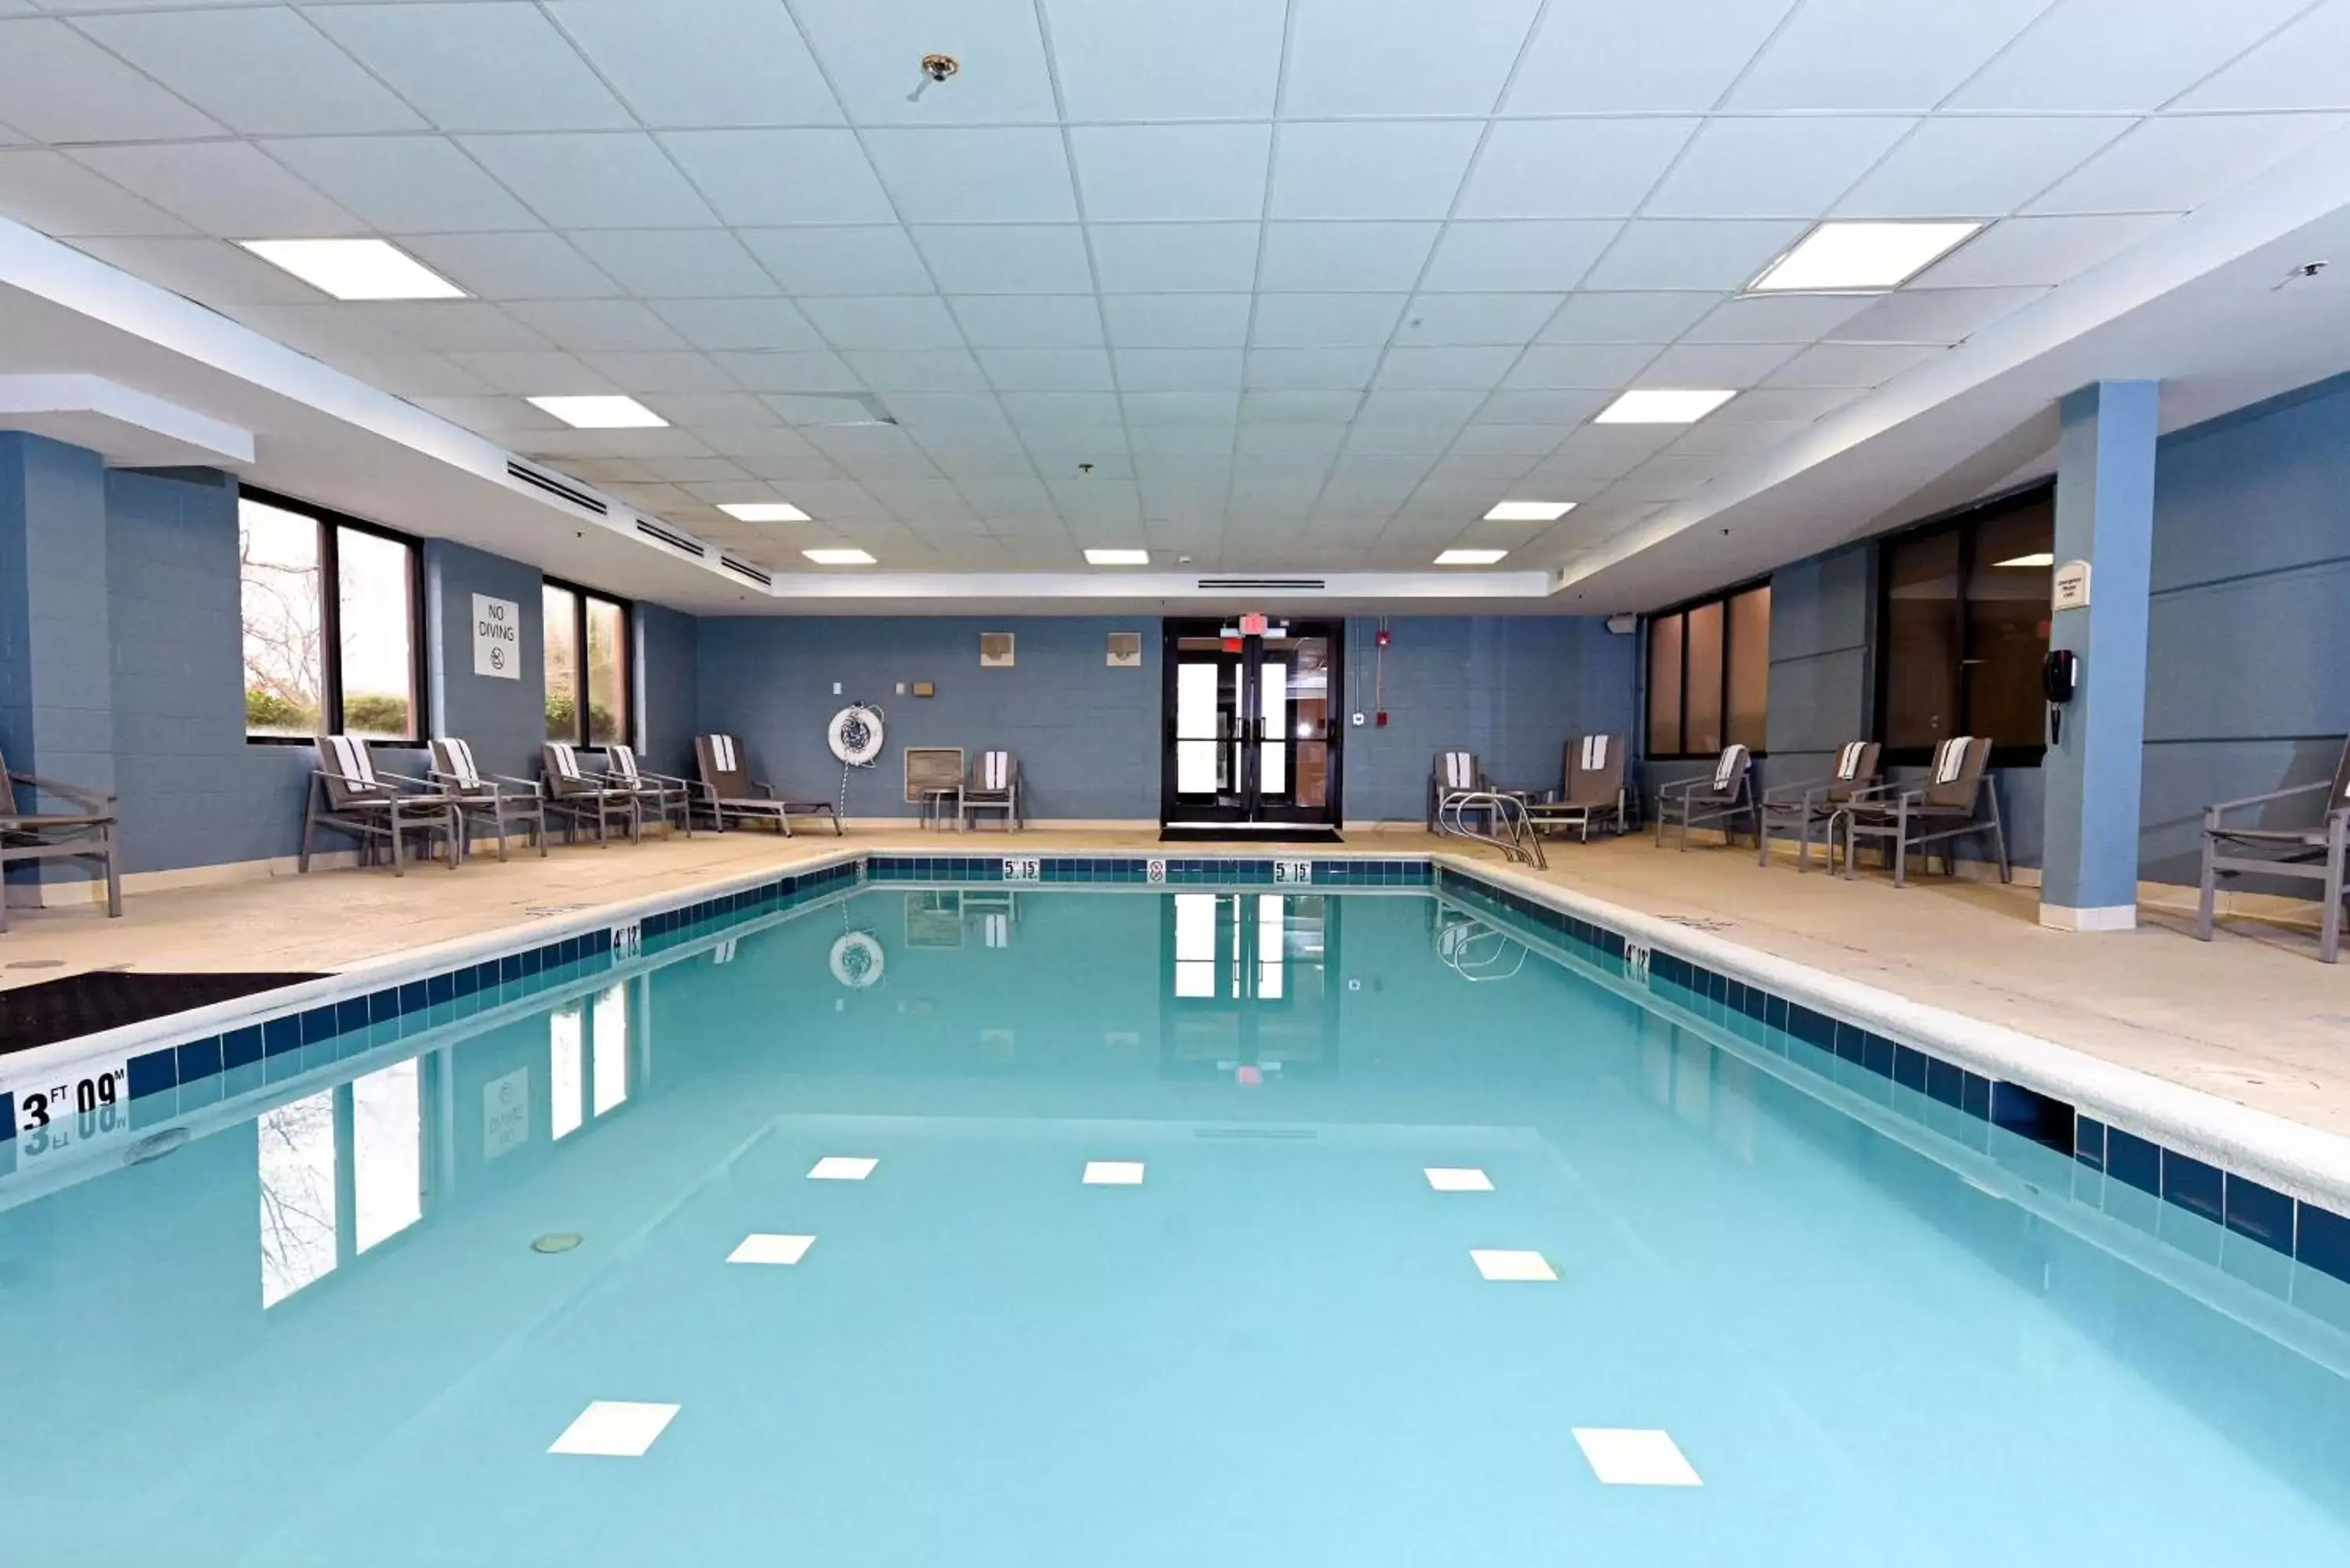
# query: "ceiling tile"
{"type": "Point", "coordinates": [1665, 253]}
{"type": "Point", "coordinates": [1029, 321]}
{"type": "Point", "coordinates": [1014, 175]}
{"type": "Point", "coordinates": [1528, 255]}
{"type": "Point", "coordinates": [706, 411]}
{"type": "Point", "coordinates": [1325, 320]}
{"type": "Point", "coordinates": [265, 72]}
{"type": "Point", "coordinates": [1778, 318]}
{"type": "Point", "coordinates": [1736, 365]}
{"type": "Point", "coordinates": [1517, 441]}
{"type": "Point", "coordinates": [225, 188]}
{"type": "Point", "coordinates": [652, 371]}
{"type": "Point", "coordinates": [1975, 167]}
{"type": "Point", "coordinates": [803, 371]}
{"type": "Point", "coordinates": [701, 62]}
{"type": "Point", "coordinates": [1370, 169]}
{"type": "Point", "coordinates": [408, 374]}
{"type": "Point", "coordinates": [1560, 409]}
{"type": "Point", "coordinates": [924, 412]}
{"type": "Point", "coordinates": [1434, 414]}
{"type": "Point", "coordinates": [1771, 404]}
{"type": "Point", "coordinates": [878, 260]}
{"type": "Point", "coordinates": [1312, 369]}
{"type": "Point", "coordinates": [716, 324]}
{"type": "Point", "coordinates": [2024, 251]}
{"type": "Point", "coordinates": [2119, 54]}
{"type": "Point", "coordinates": [1630, 316]}
{"type": "Point", "coordinates": [829, 183]}
{"type": "Point", "coordinates": [1047, 370]}
{"type": "Point", "coordinates": [1209, 59]}
{"type": "Point", "coordinates": [1852, 364]}
{"type": "Point", "coordinates": [875, 65]}
{"type": "Point", "coordinates": [1878, 54]}
{"type": "Point", "coordinates": [1323, 415]}
{"type": "Point", "coordinates": [1600, 366]}
{"type": "Point", "coordinates": [1007, 258]}
{"type": "Point", "coordinates": [418, 184]}
{"type": "Point", "coordinates": [1593, 57]}
{"type": "Point", "coordinates": [536, 266]}
{"type": "Point", "coordinates": [442, 324]}
{"type": "Point", "coordinates": [1446, 369]}
{"type": "Point", "coordinates": [1571, 168]}
{"type": "Point", "coordinates": [1177, 320]}
{"type": "Point", "coordinates": [2173, 165]}
{"type": "Point", "coordinates": [540, 374]}
{"type": "Point", "coordinates": [1171, 173]}
{"type": "Point", "coordinates": [51, 192]}
{"type": "Point", "coordinates": [1156, 258]}
{"type": "Point", "coordinates": [1793, 168]}
{"type": "Point", "coordinates": [1713, 439]}
{"type": "Point", "coordinates": [1177, 369]}
{"type": "Point", "coordinates": [676, 264]}
{"type": "Point", "coordinates": [1339, 257]}
{"type": "Point", "coordinates": [1401, 56]}
{"type": "Point", "coordinates": [59, 86]}
{"type": "Point", "coordinates": [1182, 406]}
{"type": "Point", "coordinates": [477, 66]}
{"type": "Point", "coordinates": [1051, 410]}
{"type": "Point", "coordinates": [603, 325]}
{"type": "Point", "coordinates": [615, 181]}
{"type": "Point", "coordinates": [1932, 314]}
{"type": "Point", "coordinates": [1476, 319]}
{"type": "Point", "coordinates": [902, 321]}
{"type": "Point", "coordinates": [2300, 67]}
{"type": "Point", "coordinates": [332, 332]}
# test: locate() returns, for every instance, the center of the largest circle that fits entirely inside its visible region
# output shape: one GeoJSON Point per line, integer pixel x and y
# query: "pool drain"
{"type": "Point", "coordinates": [557, 1242]}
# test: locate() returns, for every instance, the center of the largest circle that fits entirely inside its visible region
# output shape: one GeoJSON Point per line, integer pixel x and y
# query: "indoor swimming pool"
{"type": "Point", "coordinates": [915, 1224]}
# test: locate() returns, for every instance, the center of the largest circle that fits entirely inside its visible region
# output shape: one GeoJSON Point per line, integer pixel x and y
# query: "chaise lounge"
{"type": "Point", "coordinates": [728, 790]}
{"type": "Point", "coordinates": [2313, 854]}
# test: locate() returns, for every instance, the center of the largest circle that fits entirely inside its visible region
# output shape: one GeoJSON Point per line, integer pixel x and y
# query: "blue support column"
{"type": "Point", "coordinates": [2105, 515]}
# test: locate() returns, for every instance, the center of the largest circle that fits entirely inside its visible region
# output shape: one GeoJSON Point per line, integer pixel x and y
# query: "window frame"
{"type": "Point", "coordinates": [580, 705]}
{"type": "Point", "coordinates": [1718, 596]}
{"type": "Point", "coordinates": [1966, 522]}
{"type": "Point", "coordinates": [328, 522]}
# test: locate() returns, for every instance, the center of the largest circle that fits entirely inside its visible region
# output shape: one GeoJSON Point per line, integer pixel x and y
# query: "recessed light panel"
{"type": "Point", "coordinates": [1510, 1263]}
{"type": "Point", "coordinates": [1118, 557]}
{"type": "Point", "coordinates": [1530, 510]}
{"type": "Point", "coordinates": [1470, 558]}
{"type": "Point", "coordinates": [1113, 1173]}
{"type": "Point", "coordinates": [842, 1168]}
{"type": "Point", "coordinates": [615, 1428]}
{"type": "Point", "coordinates": [762, 512]}
{"type": "Point", "coordinates": [845, 557]}
{"type": "Point", "coordinates": [1860, 257]}
{"type": "Point", "coordinates": [1662, 407]}
{"type": "Point", "coordinates": [355, 269]}
{"type": "Point", "coordinates": [1458, 1179]}
{"type": "Point", "coordinates": [762, 1246]}
{"type": "Point", "coordinates": [1621, 1456]}
{"type": "Point", "coordinates": [601, 413]}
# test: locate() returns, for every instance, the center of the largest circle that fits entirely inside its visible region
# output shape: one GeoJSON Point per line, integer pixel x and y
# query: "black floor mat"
{"type": "Point", "coordinates": [80, 1004]}
{"type": "Point", "coordinates": [1300, 834]}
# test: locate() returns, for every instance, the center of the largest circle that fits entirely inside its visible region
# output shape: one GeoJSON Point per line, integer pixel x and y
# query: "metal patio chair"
{"type": "Point", "coordinates": [660, 796]}
{"type": "Point", "coordinates": [1591, 792]}
{"type": "Point", "coordinates": [993, 785]}
{"type": "Point", "coordinates": [1450, 776]}
{"type": "Point", "coordinates": [2310, 853]}
{"type": "Point", "coordinates": [1726, 795]}
{"type": "Point", "coordinates": [578, 798]}
{"type": "Point", "coordinates": [1800, 808]}
{"type": "Point", "coordinates": [1957, 801]}
{"type": "Point", "coordinates": [727, 789]}
{"type": "Point", "coordinates": [90, 833]}
{"type": "Point", "coordinates": [504, 804]}
{"type": "Point", "coordinates": [381, 810]}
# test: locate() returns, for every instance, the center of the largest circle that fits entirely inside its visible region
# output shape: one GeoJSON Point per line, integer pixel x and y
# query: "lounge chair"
{"type": "Point", "coordinates": [1592, 780]}
{"type": "Point", "coordinates": [667, 800]}
{"type": "Point", "coordinates": [90, 833]}
{"type": "Point", "coordinates": [579, 797]}
{"type": "Point", "coordinates": [993, 785]}
{"type": "Point", "coordinates": [728, 790]}
{"type": "Point", "coordinates": [504, 804]}
{"type": "Point", "coordinates": [1453, 773]}
{"type": "Point", "coordinates": [1726, 795]}
{"type": "Point", "coordinates": [381, 810]}
{"type": "Point", "coordinates": [2312, 854]}
{"type": "Point", "coordinates": [1799, 808]}
{"type": "Point", "coordinates": [1957, 801]}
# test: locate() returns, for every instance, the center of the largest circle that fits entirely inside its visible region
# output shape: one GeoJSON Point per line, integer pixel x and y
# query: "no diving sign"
{"type": "Point", "coordinates": [497, 638]}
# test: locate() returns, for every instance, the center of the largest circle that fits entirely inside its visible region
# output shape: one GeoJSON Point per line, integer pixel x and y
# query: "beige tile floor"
{"type": "Point", "coordinates": [2251, 1017]}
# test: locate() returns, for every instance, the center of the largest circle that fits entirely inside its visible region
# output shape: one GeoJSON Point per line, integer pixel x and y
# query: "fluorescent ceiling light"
{"type": "Point", "coordinates": [355, 269]}
{"type": "Point", "coordinates": [1661, 408]}
{"type": "Point", "coordinates": [1118, 557]}
{"type": "Point", "coordinates": [1860, 256]}
{"type": "Point", "coordinates": [2041, 559]}
{"type": "Point", "coordinates": [762, 1248]}
{"type": "Point", "coordinates": [849, 556]}
{"type": "Point", "coordinates": [1529, 511]}
{"type": "Point", "coordinates": [605, 413]}
{"type": "Point", "coordinates": [1509, 1263]}
{"type": "Point", "coordinates": [762, 512]}
{"type": "Point", "coordinates": [1470, 558]}
{"type": "Point", "coordinates": [1113, 1173]}
{"type": "Point", "coordinates": [616, 1429]}
{"type": "Point", "coordinates": [1458, 1179]}
{"type": "Point", "coordinates": [841, 1167]}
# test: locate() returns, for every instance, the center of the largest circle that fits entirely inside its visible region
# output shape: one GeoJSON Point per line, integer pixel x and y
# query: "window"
{"type": "Point", "coordinates": [586, 640]}
{"type": "Point", "coordinates": [1710, 675]}
{"type": "Point", "coordinates": [1965, 624]}
{"type": "Point", "coordinates": [320, 663]}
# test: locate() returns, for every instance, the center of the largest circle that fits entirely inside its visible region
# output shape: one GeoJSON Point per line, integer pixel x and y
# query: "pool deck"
{"type": "Point", "coordinates": [2253, 1017]}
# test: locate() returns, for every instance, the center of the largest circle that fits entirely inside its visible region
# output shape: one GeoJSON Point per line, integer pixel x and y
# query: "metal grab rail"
{"type": "Point", "coordinates": [1512, 831]}
{"type": "Point", "coordinates": [1476, 951]}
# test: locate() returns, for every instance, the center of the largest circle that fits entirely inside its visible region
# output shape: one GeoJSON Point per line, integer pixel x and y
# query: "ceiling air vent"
{"type": "Point", "coordinates": [587, 501]}
{"type": "Point", "coordinates": [742, 570]}
{"type": "Point", "coordinates": [652, 530]}
{"type": "Point", "coordinates": [1261, 584]}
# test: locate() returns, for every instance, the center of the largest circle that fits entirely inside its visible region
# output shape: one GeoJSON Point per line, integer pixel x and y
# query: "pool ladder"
{"type": "Point", "coordinates": [1509, 828]}
{"type": "Point", "coordinates": [1477, 951]}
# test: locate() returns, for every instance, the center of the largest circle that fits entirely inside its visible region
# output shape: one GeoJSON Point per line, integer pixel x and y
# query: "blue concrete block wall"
{"type": "Point", "coordinates": [504, 720]}
{"type": "Point", "coordinates": [666, 688]}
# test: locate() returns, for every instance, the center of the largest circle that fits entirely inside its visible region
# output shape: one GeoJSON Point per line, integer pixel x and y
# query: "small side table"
{"type": "Point", "coordinates": [936, 803]}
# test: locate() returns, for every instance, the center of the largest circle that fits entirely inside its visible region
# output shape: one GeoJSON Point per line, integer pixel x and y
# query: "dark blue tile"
{"type": "Point", "coordinates": [240, 1047]}
{"type": "Point", "coordinates": [7, 1128]}
{"type": "Point", "coordinates": [279, 1035]}
{"type": "Point", "coordinates": [349, 1014]}
{"type": "Point", "coordinates": [1852, 1044]}
{"type": "Point", "coordinates": [1975, 1097]}
{"type": "Point", "coordinates": [1909, 1068]}
{"type": "Point", "coordinates": [2260, 1212]}
{"type": "Point", "coordinates": [2193, 1185]}
{"type": "Point", "coordinates": [1877, 1053]}
{"type": "Point", "coordinates": [383, 1006]}
{"type": "Point", "coordinates": [319, 1023]}
{"type": "Point", "coordinates": [415, 996]}
{"type": "Point", "coordinates": [154, 1073]}
{"type": "Point", "coordinates": [2132, 1159]}
{"type": "Point", "coordinates": [2089, 1142]}
{"type": "Point", "coordinates": [509, 969]}
{"type": "Point", "coordinates": [199, 1058]}
{"type": "Point", "coordinates": [2322, 1240]}
{"type": "Point", "coordinates": [1946, 1081]}
{"type": "Point", "coordinates": [441, 987]}
{"type": "Point", "coordinates": [1812, 1028]}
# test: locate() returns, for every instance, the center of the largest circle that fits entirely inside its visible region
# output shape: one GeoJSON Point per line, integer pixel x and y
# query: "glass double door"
{"type": "Point", "coordinates": [1253, 732]}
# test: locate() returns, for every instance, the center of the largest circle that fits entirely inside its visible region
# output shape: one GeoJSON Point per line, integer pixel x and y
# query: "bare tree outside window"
{"type": "Point", "coordinates": [285, 665]}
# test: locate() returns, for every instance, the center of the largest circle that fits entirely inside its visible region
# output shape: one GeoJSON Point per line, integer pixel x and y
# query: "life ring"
{"type": "Point", "coordinates": [858, 959]}
{"type": "Point", "coordinates": [855, 735]}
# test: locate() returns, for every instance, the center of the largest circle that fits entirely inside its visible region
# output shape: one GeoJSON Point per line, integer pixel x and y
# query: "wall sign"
{"type": "Point", "coordinates": [506, 1112]}
{"type": "Point", "coordinates": [497, 638]}
{"type": "Point", "coordinates": [2071, 588]}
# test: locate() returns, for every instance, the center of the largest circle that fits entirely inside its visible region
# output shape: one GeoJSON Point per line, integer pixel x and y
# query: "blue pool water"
{"type": "Point", "coordinates": [317, 1332]}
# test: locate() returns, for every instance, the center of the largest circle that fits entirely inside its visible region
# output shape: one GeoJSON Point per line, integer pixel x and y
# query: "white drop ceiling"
{"type": "Point", "coordinates": [1302, 286]}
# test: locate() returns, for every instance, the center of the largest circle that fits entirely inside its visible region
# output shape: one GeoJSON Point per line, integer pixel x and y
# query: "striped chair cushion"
{"type": "Point", "coordinates": [1950, 758]}
{"type": "Point", "coordinates": [1594, 753]}
{"type": "Point", "coordinates": [565, 758]}
{"type": "Point", "coordinates": [461, 767]}
{"type": "Point", "coordinates": [1459, 770]}
{"type": "Point", "coordinates": [346, 757]}
{"type": "Point", "coordinates": [624, 762]}
{"type": "Point", "coordinates": [1725, 771]}
{"type": "Point", "coordinates": [722, 753]}
{"type": "Point", "coordinates": [1848, 760]}
{"type": "Point", "coordinates": [995, 770]}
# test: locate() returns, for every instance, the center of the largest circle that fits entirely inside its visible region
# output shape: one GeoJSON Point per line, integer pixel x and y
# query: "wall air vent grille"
{"type": "Point", "coordinates": [564, 488]}
{"type": "Point", "coordinates": [651, 530]}
{"type": "Point", "coordinates": [742, 570]}
{"type": "Point", "coordinates": [1262, 585]}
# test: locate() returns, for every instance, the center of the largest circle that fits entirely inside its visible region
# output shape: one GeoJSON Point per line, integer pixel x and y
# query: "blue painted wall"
{"type": "Point", "coordinates": [504, 720]}
{"type": "Point", "coordinates": [666, 686]}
